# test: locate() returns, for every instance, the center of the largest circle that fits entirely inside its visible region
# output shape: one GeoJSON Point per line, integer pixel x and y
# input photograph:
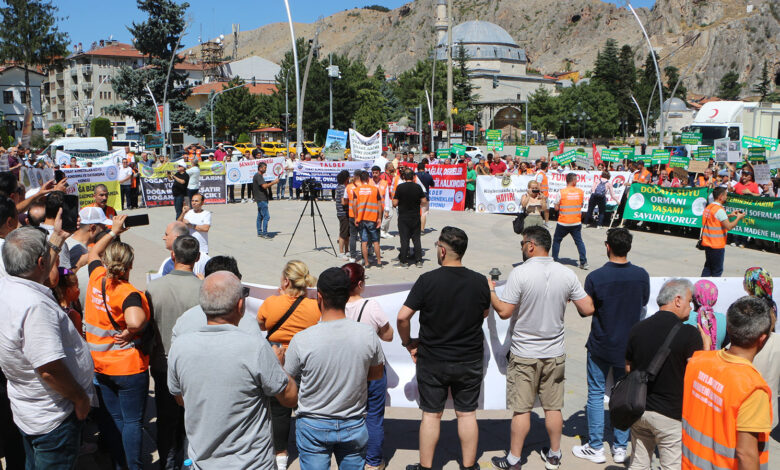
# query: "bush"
{"type": "Point", "coordinates": [6, 140]}
{"type": "Point", "coordinates": [243, 138]}
{"type": "Point", "coordinates": [101, 127]}
{"type": "Point", "coordinates": [56, 131]}
{"type": "Point", "coordinates": [376, 8]}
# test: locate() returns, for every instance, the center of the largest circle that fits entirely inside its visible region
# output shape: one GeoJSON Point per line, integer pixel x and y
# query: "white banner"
{"type": "Point", "coordinates": [242, 172]}
{"type": "Point", "coordinates": [325, 172]}
{"type": "Point", "coordinates": [113, 157]}
{"type": "Point", "coordinates": [33, 178]}
{"type": "Point", "coordinates": [365, 148]}
{"type": "Point", "coordinates": [95, 174]}
{"type": "Point", "coordinates": [498, 194]}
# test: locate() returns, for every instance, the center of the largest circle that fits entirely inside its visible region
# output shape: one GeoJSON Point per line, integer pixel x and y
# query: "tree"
{"type": "Point", "coordinates": [606, 68]}
{"type": "Point", "coordinates": [647, 91]}
{"type": "Point", "coordinates": [542, 111]}
{"type": "Point", "coordinates": [101, 127]}
{"type": "Point", "coordinates": [626, 86]}
{"type": "Point", "coordinates": [463, 96]}
{"type": "Point", "coordinates": [393, 106]}
{"type": "Point", "coordinates": [235, 111]}
{"type": "Point", "coordinates": [370, 114]}
{"type": "Point", "coordinates": [730, 87]}
{"type": "Point", "coordinates": [5, 139]}
{"type": "Point", "coordinates": [158, 39]}
{"type": "Point", "coordinates": [56, 130]}
{"type": "Point", "coordinates": [764, 85]}
{"type": "Point", "coordinates": [672, 77]}
{"type": "Point", "coordinates": [243, 138]}
{"type": "Point", "coordinates": [30, 37]}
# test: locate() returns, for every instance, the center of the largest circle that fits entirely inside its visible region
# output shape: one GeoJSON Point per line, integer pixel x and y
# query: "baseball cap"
{"type": "Point", "coordinates": [182, 164]}
{"type": "Point", "coordinates": [94, 215]}
{"type": "Point", "coordinates": [333, 283]}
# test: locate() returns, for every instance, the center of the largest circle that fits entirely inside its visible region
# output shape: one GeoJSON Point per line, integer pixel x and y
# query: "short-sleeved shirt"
{"type": "Point", "coordinates": [752, 186]}
{"type": "Point", "coordinates": [409, 196]}
{"type": "Point", "coordinates": [372, 313]}
{"type": "Point", "coordinates": [341, 210]}
{"type": "Point", "coordinates": [342, 349]}
{"type": "Point", "coordinates": [619, 291]}
{"type": "Point", "coordinates": [755, 413]}
{"type": "Point", "coordinates": [471, 175]}
{"type": "Point", "coordinates": [76, 250]}
{"type": "Point", "coordinates": [199, 218]}
{"type": "Point", "coordinates": [194, 319]}
{"type": "Point", "coordinates": [64, 250]}
{"type": "Point", "coordinates": [540, 288]}
{"type": "Point", "coordinates": [273, 309]}
{"type": "Point", "coordinates": [194, 181]}
{"type": "Point", "coordinates": [452, 303]}
{"type": "Point", "coordinates": [665, 393]}
{"type": "Point", "coordinates": [180, 189]}
{"type": "Point", "coordinates": [259, 193]}
{"type": "Point", "coordinates": [224, 376]}
{"type": "Point", "coordinates": [497, 167]}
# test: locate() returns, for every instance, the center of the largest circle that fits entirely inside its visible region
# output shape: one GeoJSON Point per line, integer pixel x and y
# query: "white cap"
{"type": "Point", "coordinates": [93, 215]}
{"type": "Point", "coordinates": [182, 164]}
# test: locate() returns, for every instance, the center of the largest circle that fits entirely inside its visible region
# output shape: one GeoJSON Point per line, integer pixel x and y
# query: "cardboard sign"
{"type": "Point", "coordinates": [761, 173]}
{"type": "Point", "coordinates": [697, 166]}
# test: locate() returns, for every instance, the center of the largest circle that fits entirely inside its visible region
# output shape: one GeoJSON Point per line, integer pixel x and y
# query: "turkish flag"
{"type": "Point", "coordinates": [596, 155]}
{"type": "Point", "coordinates": [560, 148]}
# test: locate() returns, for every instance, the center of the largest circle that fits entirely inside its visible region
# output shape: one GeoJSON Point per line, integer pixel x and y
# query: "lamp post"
{"type": "Point", "coordinates": [212, 99]}
{"type": "Point", "coordinates": [657, 70]}
{"type": "Point", "coordinates": [298, 114]}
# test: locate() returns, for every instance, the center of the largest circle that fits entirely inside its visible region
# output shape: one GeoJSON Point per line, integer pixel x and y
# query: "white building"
{"type": "Point", "coordinates": [13, 101]}
{"type": "Point", "coordinates": [262, 70]}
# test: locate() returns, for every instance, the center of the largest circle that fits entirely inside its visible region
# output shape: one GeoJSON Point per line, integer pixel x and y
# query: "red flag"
{"type": "Point", "coordinates": [560, 148]}
{"type": "Point", "coordinates": [596, 156]}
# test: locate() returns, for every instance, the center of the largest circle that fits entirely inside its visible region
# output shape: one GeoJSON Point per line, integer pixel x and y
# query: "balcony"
{"type": "Point", "coordinates": [59, 76]}
{"type": "Point", "coordinates": [74, 72]}
{"type": "Point", "coordinates": [60, 91]}
{"type": "Point", "coordinates": [74, 88]}
{"type": "Point", "coordinates": [87, 86]}
{"type": "Point", "coordinates": [86, 69]}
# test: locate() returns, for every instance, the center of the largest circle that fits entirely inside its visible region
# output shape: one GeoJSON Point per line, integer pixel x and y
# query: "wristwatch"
{"type": "Point", "coordinates": [54, 247]}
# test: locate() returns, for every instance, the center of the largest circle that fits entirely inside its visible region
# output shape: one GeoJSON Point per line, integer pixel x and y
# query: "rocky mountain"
{"type": "Point", "coordinates": [703, 38]}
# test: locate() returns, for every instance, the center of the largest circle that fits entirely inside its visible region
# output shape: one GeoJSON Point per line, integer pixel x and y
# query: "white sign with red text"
{"type": "Point", "coordinates": [242, 172]}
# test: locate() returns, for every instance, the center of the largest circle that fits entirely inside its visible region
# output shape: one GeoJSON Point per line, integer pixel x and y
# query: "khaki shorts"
{"type": "Point", "coordinates": [527, 378]}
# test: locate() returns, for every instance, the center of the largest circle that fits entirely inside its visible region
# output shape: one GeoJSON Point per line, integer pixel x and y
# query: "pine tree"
{"type": "Point", "coordinates": [764, 85]}
{"type": "Point", "coordinates": [393, 106]}
{"type": "Point", "coordinates": [730, 87]}
{"type": "Point", "coordinates": [607, 69]}
{"type": "Point", "coordinates": [626, 86]}
{"type": "Point", "coordinates": [236, 111]}
{"type": "Point", "coordinates": [672, 76]}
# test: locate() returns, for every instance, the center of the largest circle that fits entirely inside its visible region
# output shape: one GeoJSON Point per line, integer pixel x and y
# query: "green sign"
{"type": "Point", "coordinates": [769, 143]}
{"type": "Point", "coordinates": [493, 134]}
{"type": "Point", "coordinates": [626, 153]}
{"type": "Point", "coordinates": [610, 155]}
{"type": "Point", "coordinates": [705, 152]}
{"type": "Point", "coordinates": [566, 157]}
{"type": "Point", "coordinates": [660, 157]}
{"type": "Point", "coordinates": [675, 206]}
{"type": "Point", "coordinates": [756, 154]}
{"type": "Point", "coordinates": [522, 151]}
{"type": "Point", "coordinates": [583, 159]}
{"type": "Point", "coordinates": [443, 153]}
{"type": "Point", "coordinates": [762, 219]}
{"type": "Point", "coordinates": [459, 149]}
{"type": "Point", "coordinates": [691, 138]}
{"type": "Point", "coordinates": [552, 145]}
{"type": "Point", "coordinates": [678, 161]}
{"type": "Point", "coordinates": [495, 144]}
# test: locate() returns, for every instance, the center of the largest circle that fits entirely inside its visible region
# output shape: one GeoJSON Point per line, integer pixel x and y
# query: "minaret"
{"type": "Point", "coordinates": [441, 20]}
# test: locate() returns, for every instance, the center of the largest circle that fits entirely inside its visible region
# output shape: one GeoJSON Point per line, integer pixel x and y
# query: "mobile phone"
{"type": "Point", "coordinates": [136, 220]}
{"type": "Point", "coordinates": [70, 213]}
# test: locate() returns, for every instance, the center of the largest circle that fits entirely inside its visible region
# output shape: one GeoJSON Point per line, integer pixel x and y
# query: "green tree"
{"type": "Point", "coordinates": [626, 86]}
{"type": "Point", "coordinates": [764, 85]}
{"type": "Point", "coordinates": [157, 39]}
{"type": "Point", "coordinates": [596, 102]}
{"type": "Point", "coordinates": [647, 91]}
{"type": "Point", "coordinates": [370, 114]}
{"type": "Point", "coordinates": [462, 90]}
{"type": "Point", "coordinates": [730, 87]}
{"type": "Point", "coordinates": [542, 111]}
{"type": "Point", "coordinates": [672, 76]}
{"type": "Point", "coordinates": [607, 69]}
{"type": "Point", "coordinates": [235, 111]}
{"type": "Point", "coordinates": [243, 138]}
{"type": "Point", "coordinates": [56, 130]}
{"type": "Point", "coordinates": [30, 36]}
{"type": "Point", "coordinates": [101, 127]}
{"type": "Point", "coordinates": [5, 139]}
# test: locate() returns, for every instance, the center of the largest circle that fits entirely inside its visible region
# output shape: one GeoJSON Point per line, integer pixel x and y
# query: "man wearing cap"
{"type": "Point", "coordinates": [220, 154]}
{"type": "Point", "coordinates": [100, 195]}
{"type": "Point", "coordinates": [125, 178]}
{"type": "Point", "coordinates": [92, 220]}
{"type": "Point", "coordinates": [179, 189]}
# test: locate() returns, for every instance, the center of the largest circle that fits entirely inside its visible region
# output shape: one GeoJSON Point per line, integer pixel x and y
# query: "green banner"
{"type": "Point", "coordinates": [583, 159]}
{"type": "Point", "coordinates": [493, 134]}
{"type": "Point", "coordinates": [522, 151]}
{"type": "Point", "coordinates": [762, 219]}
{"type": "Point", "coordinates": [459, 149]}
{"type": "Point", "coordinates": [756, 154]}
{"type": "Point", "coordinates": [705, 152]}
{"type": "Point", "coordinates": [675, 206]}
{"type": "Point", "coordinates": [566, 157]}
{"type": "Point", "coordinates": [626, 153]}
{"type": "Point", "coordinates": [691, 138]}
{"type": "Point", "coordinates": [552, 145]}
{"type": "Point", "coordinates": [495, 144]}
{"type": "Point", "coordinates": [443, 153]}
{"type": "Point", "coordinates": [660, 157]}
{"type": "Point", "coordinates": [767, 142]}
{"type": "Point", "coordinates": [610, 155]}
{"type": "Point", "coordinates": [678, 161]}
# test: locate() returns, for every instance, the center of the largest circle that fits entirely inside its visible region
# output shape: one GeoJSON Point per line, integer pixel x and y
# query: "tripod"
{"type": "Point", "coordinates": [311, 203]}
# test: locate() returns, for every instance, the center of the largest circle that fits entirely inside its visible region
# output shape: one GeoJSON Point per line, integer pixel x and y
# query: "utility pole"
{"type": "Point", "coordinates": [330, 88]}
{"type": "Point", "coordinates": [286, 113]}
{"type": "Point", "coordinates": [312, 49]}
{"type": "Point", "coordinates": [449, 73]}
{"type": "Point", "coordinates": [299, 115]}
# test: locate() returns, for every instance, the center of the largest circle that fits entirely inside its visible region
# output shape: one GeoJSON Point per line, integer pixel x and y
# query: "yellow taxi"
{"type": "Point", "coordinates": [244, 147]}
{"type": "Point", "coordinates": [309, 146]}
{"type": "Point", "coordinates": [272, 149]}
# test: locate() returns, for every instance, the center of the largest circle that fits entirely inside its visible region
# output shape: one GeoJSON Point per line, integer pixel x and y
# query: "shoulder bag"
{"type": "Point", "coordinates": [629, 395]}
{"type": "Point", "coordinates": [284, 318]}
{"type": "Point", "coordinates": [360, 315]}
{"type": "Point", "coordinates": [144, 343]}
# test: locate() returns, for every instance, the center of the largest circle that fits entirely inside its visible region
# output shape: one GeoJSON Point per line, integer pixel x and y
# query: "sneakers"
{"type": "Point", "coordinates": [584, 266]}
{"type": "Point", "coordinates": [419, 264]}
{"type": "Point", "coordinates": [588, 453]}
{"type": "Point", "coordinates": [501, 463]}
{"type": "Point", "coordinates": [381, 466]}
{"type": "Point", "coordinates": [551, 462]}
{"type": "Point", "coordinates": [619, 454]}
{"type": "Point", "coordinates": [351, 259]}
{"type": "Point", "coordinates": [401, 265]}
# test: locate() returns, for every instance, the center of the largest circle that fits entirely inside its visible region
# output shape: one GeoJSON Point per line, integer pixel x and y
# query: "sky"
{"type": "Point", "coordinates": [91, 20]}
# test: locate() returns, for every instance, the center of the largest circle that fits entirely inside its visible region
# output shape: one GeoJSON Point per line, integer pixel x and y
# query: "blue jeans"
{"type": "Point", "coordinates": [375, 420]}
{"type": "Point", "coordinates": [597, 379]}
{"type": "Point", "coordinates": [178, 204]}
{"type": "Point", "coordinates": [290, 185]}
{"type": "Point", "coordinates": [263, 216]}
{"type": "Point", "coordinates": [369, 233]}
{"type": "Point", "coordinates": [57, 449]}
{"type": "Point", "coordinates": [317, 439]}
{"type": "Point", "coordinates": [713, 262]}
{"type": "Point", "coordinates": [576, 233]}
{"type": "Point", "coordinates": [280, 188]}
{"type": "Point", "coordinates": [122, 406]}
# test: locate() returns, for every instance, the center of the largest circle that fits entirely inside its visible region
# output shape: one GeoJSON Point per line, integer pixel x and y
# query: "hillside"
{"type": "Point", "coordinates": [710, 36]}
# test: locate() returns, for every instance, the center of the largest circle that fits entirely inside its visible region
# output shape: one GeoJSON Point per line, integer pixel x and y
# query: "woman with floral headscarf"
{"type": "Point", "coordinates": [712, 323]}
{"type": "Point", "coordinates": [758, 283]}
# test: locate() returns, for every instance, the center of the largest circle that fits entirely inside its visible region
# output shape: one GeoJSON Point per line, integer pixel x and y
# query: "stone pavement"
{"type": "Point", "coordinates": [492, 244]}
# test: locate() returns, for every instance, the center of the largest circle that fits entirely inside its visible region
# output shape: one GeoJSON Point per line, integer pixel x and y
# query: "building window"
{"type": "Point", "coordinates": [8, 97]}
{"type": "Point", "coordinates": [23, 96]}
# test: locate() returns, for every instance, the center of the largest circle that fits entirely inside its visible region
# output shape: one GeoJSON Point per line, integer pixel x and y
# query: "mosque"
{"type": "Point", "coordinates": [492, 55]}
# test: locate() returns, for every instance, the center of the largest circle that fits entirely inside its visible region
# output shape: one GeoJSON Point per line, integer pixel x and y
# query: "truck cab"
{"type": "Point", "coordinates": [719, 120]}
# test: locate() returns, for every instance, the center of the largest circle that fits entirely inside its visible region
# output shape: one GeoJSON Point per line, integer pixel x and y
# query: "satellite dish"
{"type": "Point", "coordinates": [222, 36]}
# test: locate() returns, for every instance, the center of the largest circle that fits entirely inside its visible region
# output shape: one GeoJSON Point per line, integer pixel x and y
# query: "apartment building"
{"type": "Point", "coordinates": [12, 103]}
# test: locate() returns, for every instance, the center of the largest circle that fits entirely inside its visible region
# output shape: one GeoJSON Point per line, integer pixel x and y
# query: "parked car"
{"type": "Point", "coordinates": [309, 146]}
{"type": "Point", "coordinates": [272, 149]}
{"type": "Point", "coordinates": [243, 147]}
{"type": "Point", "coordinates": [473, 152]}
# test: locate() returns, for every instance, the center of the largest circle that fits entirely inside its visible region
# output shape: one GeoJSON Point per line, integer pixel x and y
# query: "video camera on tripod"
{"type": "Point", "coordinates": [311, 189]}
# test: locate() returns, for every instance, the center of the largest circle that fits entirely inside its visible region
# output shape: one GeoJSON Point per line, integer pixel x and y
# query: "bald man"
{"type": "Point", "coordinates": [173, 231]}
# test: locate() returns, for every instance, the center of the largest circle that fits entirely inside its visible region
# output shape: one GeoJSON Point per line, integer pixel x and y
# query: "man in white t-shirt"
{"type": "Point", "coordinates": [535, 297]}
{"type": "Point", "coordinates": [125, 178]}
{"type": "Point", "coordinates": [198, 222]}
{"type": "Point", "coordinates": [193, 184]}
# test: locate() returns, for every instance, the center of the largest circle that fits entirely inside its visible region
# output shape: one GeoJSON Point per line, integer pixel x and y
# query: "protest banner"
{"type": "Point", "coordinates": [335, 144]}
{"type": "Point", "coordinates": [459, 149]}
{"type": "Point", "coordinates": [495, 145]}
{"type": "Point", "coordinates": [762, 219]}
{"type": "Point", "coordinates": [443, 153]}
{"type": "Point", "coordinates": [678, 161]}
{"type": "Point", "coordinates": [756, 154]}
{"type": "Point", "coordinates": [113, 157]}
{"type": "Point", "coordinates": [566, 157]}
{"type": "Point", "coordinates": [660, 157]}
{"type": "Point", "coordinates": [690, 138]}
{"type": "Point", "coordinates": [85, 179]}
{"type": "Point", "coordinates": [207, 168]}
{"type": "Point", "coordinates": [157, 191]}
{"type": "Point", "coordinates": [610, 155]}
{"type": "Point", "coordinates": [365, 148]}
{"type": "Point", "coordinates": [704, 152]}
{"type": "Point", "coordinates": [522, 151]}
{"type": "Point", "coordinates": [449, 190]}
{"type": "Point", "coordinates": [496, 194]}
{"type": "Point", "coordinates": [325, 172]}
{"type": "Point", "coordinates": [552, 145]}
{"type": "Point", "coordinates": [674, 206]}
{"type": "Point", "coordinates": [494, 134]}
{"type": "Point", "coordinates": [35, 177]}
{"type": "Point", "coordinates": [242, 172]}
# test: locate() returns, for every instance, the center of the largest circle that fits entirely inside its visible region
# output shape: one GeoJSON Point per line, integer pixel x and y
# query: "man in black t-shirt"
{"type": "Point", "coordinates": [179, 190]}
{"type": "Point", "coordinates": [408, 197]}
{"type": "Point", "coordinates": [453, 301]}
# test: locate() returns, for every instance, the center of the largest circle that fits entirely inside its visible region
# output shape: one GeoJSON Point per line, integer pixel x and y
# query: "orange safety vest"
{"type": "Point", "coordinates": [381, 186]}
{"type": "Point", "coordinates": [713, 234]}
{"type": "Point", "coordinates": [368, 205]}
{"type": "Point", "coordinates": [713, 392]}
{"type": "Point", "coordinates": [349, 194]}
{"type": "Point", "coordinates": [108, 356]}
{"type": "Point", "coordinates": [543, 185]}
{"type": "Point", "coordinates": [570, 208]}
{"type": "Point", "coordinates": [644, 177]}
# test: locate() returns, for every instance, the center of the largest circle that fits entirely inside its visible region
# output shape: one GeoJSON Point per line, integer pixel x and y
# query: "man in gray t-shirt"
{"type": "Point", "coordinates": [334, 360]}
{"type": "Point", "coordinates": [223, 377]}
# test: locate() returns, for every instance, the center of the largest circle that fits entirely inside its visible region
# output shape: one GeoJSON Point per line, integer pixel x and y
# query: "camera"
{"type": "Point", "coordinates": [311, 188]}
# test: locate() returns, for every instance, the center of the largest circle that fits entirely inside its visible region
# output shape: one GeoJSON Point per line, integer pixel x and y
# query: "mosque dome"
{"type": "Point", "coordinates": [482, 40]}
{"type": "Point", "coordinates": [674, 105]}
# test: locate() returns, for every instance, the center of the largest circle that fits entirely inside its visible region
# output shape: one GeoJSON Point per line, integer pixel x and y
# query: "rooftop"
{"type": "Point", "coordinates": [257, 89]}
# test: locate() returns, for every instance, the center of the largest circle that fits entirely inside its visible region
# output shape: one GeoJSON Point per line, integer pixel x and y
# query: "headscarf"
{"type": "Point", "coordinates": [705, 294]}
{"type": "Point", "coordinates": [758, 283]}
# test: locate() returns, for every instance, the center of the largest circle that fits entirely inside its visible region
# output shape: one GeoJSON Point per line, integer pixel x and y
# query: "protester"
{"type": "Point", "coordinates": [620, 291]}
{"type": "Point", "coordinates": [173, 231]}
{"type": "Point", "coordinates": [598, 198]}
{"type": "Point", "coordinates": [180, 184]}
{"type": "Point", "coordinates": [341, 212]}
{"type": "Point", "coordinates": [55, 201]}
{"type": "Point", "coordinates": [535, 297]}
{"type": "Point", "coordinates": [125, 177]}
{"type": "Point", "coordinates": [331, 414]}
{"type": "Point", "coordinates": [471, 186]}
{"type": "Point", "coordinates": [369, 311]}
{"type": "Point", "coordinates": [389, 177]}
{"type": "Point", "coordinates": [427, 181]}
{"type": "Point", "coordinates": [758, 284]}
{"type": "Point", "coordinates": [115, 316]}
{"type": "Point", "coordinates": [569, 207]}
{"type": "Point", "coordinates": [367, 201]}
{"type": "Point", "coordinates": [289, 171]}
{"type": "Point", "coordinates": [497, 166]}
{"type": "Point", "coordinates": [284, 316]}
{"type": "Point", "coordinates": [534, 204]}
{"type": "Point", "coordinates": [193, 183]}
{"type": "Point", "coordinates": [45, 359]}
{"type": "Point", "coordinates": [715, 225]}
{"type": "Point", "coordinates": [349, 196]}
{"type": "Point", "coordinates": [92, 220]}
{"type": "Point", "coordinates": [260, 191]}
{"type": "Point", "coordinates": [453, 302]}
{"type": "Point", "coordinates": [66, 292]}
{"type": "Point", "coordinates": [703, 316]}
{"type": "Point", "coordinates": [726, 409]}
{"type": "Point", "coordinates": [408, 197]}
{"type": "Point", "coordinates": [198, 222]}
{"type": "Point", "coordinates": [222, 377]}
{"type": "Point", "coordinates": [659, 427]}
{"type": "Point", "coordinates": [9, 221]}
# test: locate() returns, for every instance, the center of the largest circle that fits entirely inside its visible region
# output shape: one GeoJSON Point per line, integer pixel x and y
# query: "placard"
{"type": "Point", "coordinates": [703, 152]}
{"type": "Point", "coordinates": [522, 151]}
{"type": "Point", "coordinates": [335, 144]}
{"type": "Point", "coordinates": [660, 157]}
{"type": "Point", "coordinates": [697, 166]}
{"type": "Point", "coordinates": [552, 145]}
{"type": "Point", "coordinates": [365, 148]}
{"type": "Point", "coordinates": [761, 173]}
{"type": "Point", "coordinates": [610, 155]}
{"type": "Point", "coordinates": [756, 154]}
{"type": "Point", "coordinates": [459, 149]}
{"type": "Point", "coordinates": [493, 134]}
{"type": "Point", "coordinates": [678, 161]}
{"type": "Point", "coordinates": [691, 138]}
{"type": "Point", "coordinates": [495, 145]}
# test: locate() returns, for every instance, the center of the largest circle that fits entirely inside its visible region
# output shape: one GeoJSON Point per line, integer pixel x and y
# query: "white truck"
{"type": "Point", "coordinates": [83, 144]}
{"type": "Point", "coordinates": [735, 119]}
